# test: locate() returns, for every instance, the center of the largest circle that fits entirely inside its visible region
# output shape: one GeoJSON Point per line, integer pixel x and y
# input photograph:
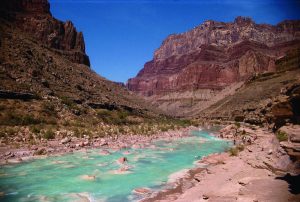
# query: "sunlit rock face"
{"type": "Point", "coordinates": [34, 17]}
{"type": "Point", "coordinates": [215, 55]}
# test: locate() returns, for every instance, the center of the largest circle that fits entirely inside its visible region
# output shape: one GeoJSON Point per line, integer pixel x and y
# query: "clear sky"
{"type": "Point", "coordinates": [120, 36]}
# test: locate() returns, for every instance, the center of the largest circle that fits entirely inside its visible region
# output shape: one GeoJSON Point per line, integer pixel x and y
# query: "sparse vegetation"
{"type": "Point", "coordinates": [49, 134]}
{"type": "Point", "coordinates": [237, 124]}
{"type": "Point", "coordinates": [281, 136]}
{"type": "Point", "coordinates": [240, 147]}
{"type": "Point", "coordinates": [67, 101]}
{"type": "Point", "coordinates": [49, 108]}
{"type": "Point", "coordinates": [117, 117]}
{"type": "Point", "coordinates": [234, 151]}
{"type": "Point", "coordinates": [2, 107]}
{"type": "Point", "coordinates": [36, 129]}
{"type": "Point", "coordinates": [8, 132]}
{"type": "Point", "coordinates": [13, 119]}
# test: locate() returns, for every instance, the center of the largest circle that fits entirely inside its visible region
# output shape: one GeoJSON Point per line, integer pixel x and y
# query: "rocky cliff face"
{"type": "Point", "coordinates": [34, 17]}
{"type": "Point", "coordinates": [215, 55]}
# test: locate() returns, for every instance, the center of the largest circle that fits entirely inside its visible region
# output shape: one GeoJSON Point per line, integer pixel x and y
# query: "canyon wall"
{"type": "Point", "coordinates": [34, 17]}
{"type": "Point", "coordinates": [215, 55]}
{"type": "Point", "coordinates": [212, 60]}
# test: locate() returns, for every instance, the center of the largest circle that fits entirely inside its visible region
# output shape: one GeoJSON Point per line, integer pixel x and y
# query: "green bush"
{"type": "Point", "coordinates": [234, 151]}
{"type": "Point", "coordinates": [240, 147]}
{"type": "Point", "coordinates": [67, 101]}
{"type": "Point", "coordinates": [237, 124]}
{"type": "Point", "coordinates": [49, 134]}
{"type": "Point", "coordinates": [115, 117]}
{"type": "Point", "coordinates": [281, 136]}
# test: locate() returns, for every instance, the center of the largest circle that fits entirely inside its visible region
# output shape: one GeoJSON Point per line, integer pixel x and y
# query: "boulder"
{"type": "Point", "coordinates": [104, 152]}
{"type": "Point", "coordinates": [136, 146]}
{"type": "Point", "coordinates": [65, 140]}
{"type": "Point", "coordinates": [122, 160]}
{"type": "Point", "coordinates": [142, 190]}
{"type": "Point", "coordinates": [282, 113]}
{"type": "Point", "coordinates": [292, 145]}
{"type": "Point", "coordinates": [86, 143]}
{"type": "Point", "coordinates": [88, 177]}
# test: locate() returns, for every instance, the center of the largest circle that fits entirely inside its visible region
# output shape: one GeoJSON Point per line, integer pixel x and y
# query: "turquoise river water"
{"type": "Point", "coordinates": [61, 178]}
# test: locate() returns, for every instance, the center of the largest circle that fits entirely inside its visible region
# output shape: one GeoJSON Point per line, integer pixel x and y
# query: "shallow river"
{"type": "Point", "coordinates": [62, 178]}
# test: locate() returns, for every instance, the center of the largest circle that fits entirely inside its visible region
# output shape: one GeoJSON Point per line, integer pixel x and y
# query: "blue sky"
{"type": "Point", "coordinates": [121, 36]}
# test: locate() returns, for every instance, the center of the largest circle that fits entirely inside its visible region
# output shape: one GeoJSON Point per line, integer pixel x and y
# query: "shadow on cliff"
{"type": "Point", "coordinates": [293, 181]}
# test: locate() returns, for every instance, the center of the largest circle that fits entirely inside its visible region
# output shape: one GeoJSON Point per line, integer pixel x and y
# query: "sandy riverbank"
{"type": "Point", "coordinates": [258, 173]}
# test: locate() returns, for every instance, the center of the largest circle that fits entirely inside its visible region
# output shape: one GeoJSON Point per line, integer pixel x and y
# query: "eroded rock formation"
{"type": "Point", "coordinates": [215, 55]}
{"type": "Point", "coordinates": [34, 17]}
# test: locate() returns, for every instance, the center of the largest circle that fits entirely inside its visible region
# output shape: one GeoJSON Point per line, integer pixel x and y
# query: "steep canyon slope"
{"type": "Point", "coordinates": [47, 86]}
{"type": "Point", "coordinates": [193, 70]}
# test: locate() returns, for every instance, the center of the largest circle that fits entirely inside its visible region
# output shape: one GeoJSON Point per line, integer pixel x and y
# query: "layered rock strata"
{"type": "Point", "coordinates": [34, 17]}
{"type": "Point", "coordinates": [215, 55]}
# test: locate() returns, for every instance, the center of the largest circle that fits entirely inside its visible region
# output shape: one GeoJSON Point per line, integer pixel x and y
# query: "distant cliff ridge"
{"type": "Point", "coordinates": [34, 17]}
{"type": "Point", "coordinates": [214, 55]}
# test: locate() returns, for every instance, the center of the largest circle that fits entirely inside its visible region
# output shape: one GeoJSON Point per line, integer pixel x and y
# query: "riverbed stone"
{"type": "Point", "coordinates": [122, 160]}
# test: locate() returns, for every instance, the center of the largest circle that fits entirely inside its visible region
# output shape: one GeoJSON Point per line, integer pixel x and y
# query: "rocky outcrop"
{"type": "Point", "coordinates": [276, 111]}
{"type": "Point", "coordinates": [34, 17]}
{"type": "Point", "coordinates": [292, 143]}
{"type": "Point", "coordinates": [17, 95]}
{"type": "Point", "coordinates": [215, 55]}
{"type": "Point", "coordinates": [284, 108]}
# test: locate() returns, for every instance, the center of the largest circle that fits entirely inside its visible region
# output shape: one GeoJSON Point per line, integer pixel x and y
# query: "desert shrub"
{"type": "Point", "coordinates": [281, 136]}
{"type": "Point", "coordinates": [2, 107]}
{"type": "Point", "coordinates": [103, 113]}
{"type": "Point", "coordinates": [51, 121]}
{"type": "Point", "coordinates": [66, 123]}
{"type": "Point", "coordinates": [13, 119]}
{"type": "Point", "coordinates": [217, 122]}
{"type": "Point", "coordinates": [35, 129]}
{"type": "Point", "coordinates": [11, 131]}
{"type": "Point", "coordinates": [234, 151]}
{"type": "Point", "coordinates": [24, 86]}
{"type": "Point", "coordinates": [49, 134]}
{"type": "Point", "coordinates": [40, 152]}
{"type": "Point", "coordinates": [30, 120]}
{"type": "Point", "coordinates": [78, 132]}
{"type": "Point", "coordinates": [121, 130]}
{"type": "Point", "coordinates": [237, 124]}
{"type": "Point", "coordinates": [244, 133]}
{"type": "Point", "coordinates": [172, 127]}
{"type": "Point", "coordinates": [116, 117]}
{"type": "Point", "coordinates": [133, 120]}
{"type": "Point", "coordinates": [240, 147]}
{"type": "Point", "coordinates": [67, 101]}
{"type": "Point", "coordinates": [32, 142]}
{"type": "Point", "coordinates": [77, 123]}
{"type": "Point", "coordinates": [180, 122]}
{"type": "Point", "coordinates": [4, 132]}
{"type": "Point", "coordinates": [49, 108]}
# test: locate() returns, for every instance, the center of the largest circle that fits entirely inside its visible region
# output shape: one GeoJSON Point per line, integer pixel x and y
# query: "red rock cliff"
{"type": "Point", "coordinates": [34, 17]}
{"type": "Point", "coordinates": [214, 55]}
